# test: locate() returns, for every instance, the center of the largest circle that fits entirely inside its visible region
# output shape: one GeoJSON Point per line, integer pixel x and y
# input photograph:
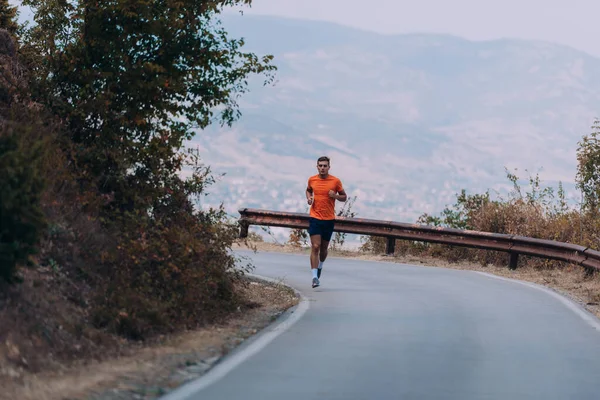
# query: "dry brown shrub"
{"type": "Point", "coordinates": [538, 213]}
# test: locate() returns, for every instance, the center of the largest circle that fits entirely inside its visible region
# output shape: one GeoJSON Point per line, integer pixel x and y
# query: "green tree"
{"type": "Point", "coordinates": [8, 17]}
{"type": "Point", "coordinates": [588, 169]}
{"type": "Point", "coordinates": [458, 216]}
{"type": "Point", "coordinates": [134, 79]}
{"type": "Point", "coordinates": [21, 185]}
{"type": "Point", "coordinates": [131, 81]}
{"type": "Point", "coordinates": [22, 152]}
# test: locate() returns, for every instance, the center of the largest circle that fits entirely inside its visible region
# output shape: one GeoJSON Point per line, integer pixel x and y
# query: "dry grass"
{"type": "Point", "coordinates": [146, 371]}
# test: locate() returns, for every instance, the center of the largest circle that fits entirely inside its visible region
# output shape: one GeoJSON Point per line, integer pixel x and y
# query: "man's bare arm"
{"type": "Point", "coordinates": [309, 195]}
{"type": "Point", "coordinates": [340, 196]}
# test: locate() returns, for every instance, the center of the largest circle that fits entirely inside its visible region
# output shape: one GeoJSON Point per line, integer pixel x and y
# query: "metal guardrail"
{"type": "Point", "coordinates": [514, 245]}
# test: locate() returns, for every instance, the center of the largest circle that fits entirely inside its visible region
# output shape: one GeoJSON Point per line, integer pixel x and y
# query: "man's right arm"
{"type": "Point", "coordinates": [309, 194]}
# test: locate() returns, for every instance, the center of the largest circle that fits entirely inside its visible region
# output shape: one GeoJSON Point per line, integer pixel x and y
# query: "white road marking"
{"type": "Point", "coordinates": [230, 362]}
{"type": "Point", "coordinates": [571, 305]}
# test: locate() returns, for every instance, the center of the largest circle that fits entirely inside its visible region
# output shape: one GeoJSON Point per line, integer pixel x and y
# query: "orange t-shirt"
{"type": "Point", "coordinates": [323, 206]}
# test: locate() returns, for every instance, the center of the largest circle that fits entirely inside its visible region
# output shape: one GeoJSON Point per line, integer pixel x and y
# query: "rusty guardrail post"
{"type": "Point", "coordinates": [513, 260]}
{"type": "Point", "coordinates": [591, 263]}
{"type": "Point", "coordinates": [244, 225]}
{"type": "Point", "coordinates": [390, 246]}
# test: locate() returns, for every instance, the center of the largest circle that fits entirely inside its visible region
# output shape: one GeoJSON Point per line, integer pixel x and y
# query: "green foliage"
{"type": "Point", "coordinates": [460, 213]}
{"type": "Point", "coordinates": [8, 17]}
{"type": "Point", "coordinates": [130, 82]}
{"type": "Point", "coordinates": [133, 79]}
{"type": "Point", "coordinates": [588, 169]}
{"type": "Point", "coordinates": [22, 152]}
{"type": "Point", "coordinates": [561, 207]}
{"type": "Point", "coordinates": [173, 271]}
{"type": "Point", "coordinates": [21, 186]}
{"type": "Point", "coordinates": [536, 194]}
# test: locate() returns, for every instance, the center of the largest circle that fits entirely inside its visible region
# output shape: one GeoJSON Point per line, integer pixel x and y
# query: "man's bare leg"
{"type": "Point", "coordinates": [323, 251]}
{"type": "Point", "coordinates": [322, 256]}
{"type": "Point", "coordinates": [315, 241]}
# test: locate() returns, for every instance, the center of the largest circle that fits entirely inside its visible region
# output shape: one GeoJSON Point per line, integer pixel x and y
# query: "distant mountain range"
{"type": "Point", "coordinates": [408, 120]}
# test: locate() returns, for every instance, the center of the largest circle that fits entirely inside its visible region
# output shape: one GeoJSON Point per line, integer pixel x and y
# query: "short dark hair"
{"type": "Point", "coordinates": [324, 158]}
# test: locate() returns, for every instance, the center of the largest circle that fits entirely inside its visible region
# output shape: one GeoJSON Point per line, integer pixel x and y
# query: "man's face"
{"type": "Point", "coordinates": [323, 167]}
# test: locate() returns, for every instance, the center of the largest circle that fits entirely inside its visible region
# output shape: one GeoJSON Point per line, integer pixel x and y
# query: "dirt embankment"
{"type": "Point", "coordinates": [142, 371]}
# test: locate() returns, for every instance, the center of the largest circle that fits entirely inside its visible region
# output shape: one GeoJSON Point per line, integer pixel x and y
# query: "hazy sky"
{"type": "Point", "coordinates": [572, 22]}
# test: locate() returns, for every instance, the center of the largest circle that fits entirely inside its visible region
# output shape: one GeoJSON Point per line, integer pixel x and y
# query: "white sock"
{"type": "Point", "coordinates": [321, 264]}
{"type": "Point", "coordinates": [314, 272]}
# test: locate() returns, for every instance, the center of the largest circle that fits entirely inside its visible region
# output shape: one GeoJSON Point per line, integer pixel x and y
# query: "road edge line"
{"type": "Point", "coordinates": [572, 305]}
{"type": "Point", "coordinates": [246, 350]}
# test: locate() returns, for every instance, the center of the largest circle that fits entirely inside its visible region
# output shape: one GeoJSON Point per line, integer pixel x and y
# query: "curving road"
{"type": "Point", "coordinates": [393, 331]}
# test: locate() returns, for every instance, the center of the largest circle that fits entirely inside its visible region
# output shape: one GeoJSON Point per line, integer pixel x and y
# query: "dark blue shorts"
{"type": "Point", "coordinates": [321, 227]}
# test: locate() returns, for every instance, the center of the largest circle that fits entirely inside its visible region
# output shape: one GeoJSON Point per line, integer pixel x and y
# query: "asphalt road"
{"type": "Point", "coordinates": [392, 331]}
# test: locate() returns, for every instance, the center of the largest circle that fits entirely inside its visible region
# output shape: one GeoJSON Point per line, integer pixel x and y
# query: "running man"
{"type": "Point", "coordinates": [321, 193]}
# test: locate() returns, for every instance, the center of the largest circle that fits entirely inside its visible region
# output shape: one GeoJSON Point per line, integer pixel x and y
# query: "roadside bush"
{"type": "Point", "coordinates": [131, 83]}
{"type": "Point", "coordinates": [539, 212]}
{"type": "Point", "coordinates": [374, 244]}
{"type": "Point", "coordinates": [171, 267]}
{"type": "Point", "coordinates": [21, 186]}
{"type": "Point", "coordinates": [96, 104]}
{"type": "Point", "coordinates": [298, 238]}
{"type": "Point", "coordinates": [23, 149]}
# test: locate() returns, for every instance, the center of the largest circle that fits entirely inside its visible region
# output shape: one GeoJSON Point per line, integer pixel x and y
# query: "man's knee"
{"type": "Point", "coordinates": [316, 247]}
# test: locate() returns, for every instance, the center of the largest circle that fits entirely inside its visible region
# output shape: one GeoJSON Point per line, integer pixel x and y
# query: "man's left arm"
{"type": "Point", "coordinates": [341, 195]}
